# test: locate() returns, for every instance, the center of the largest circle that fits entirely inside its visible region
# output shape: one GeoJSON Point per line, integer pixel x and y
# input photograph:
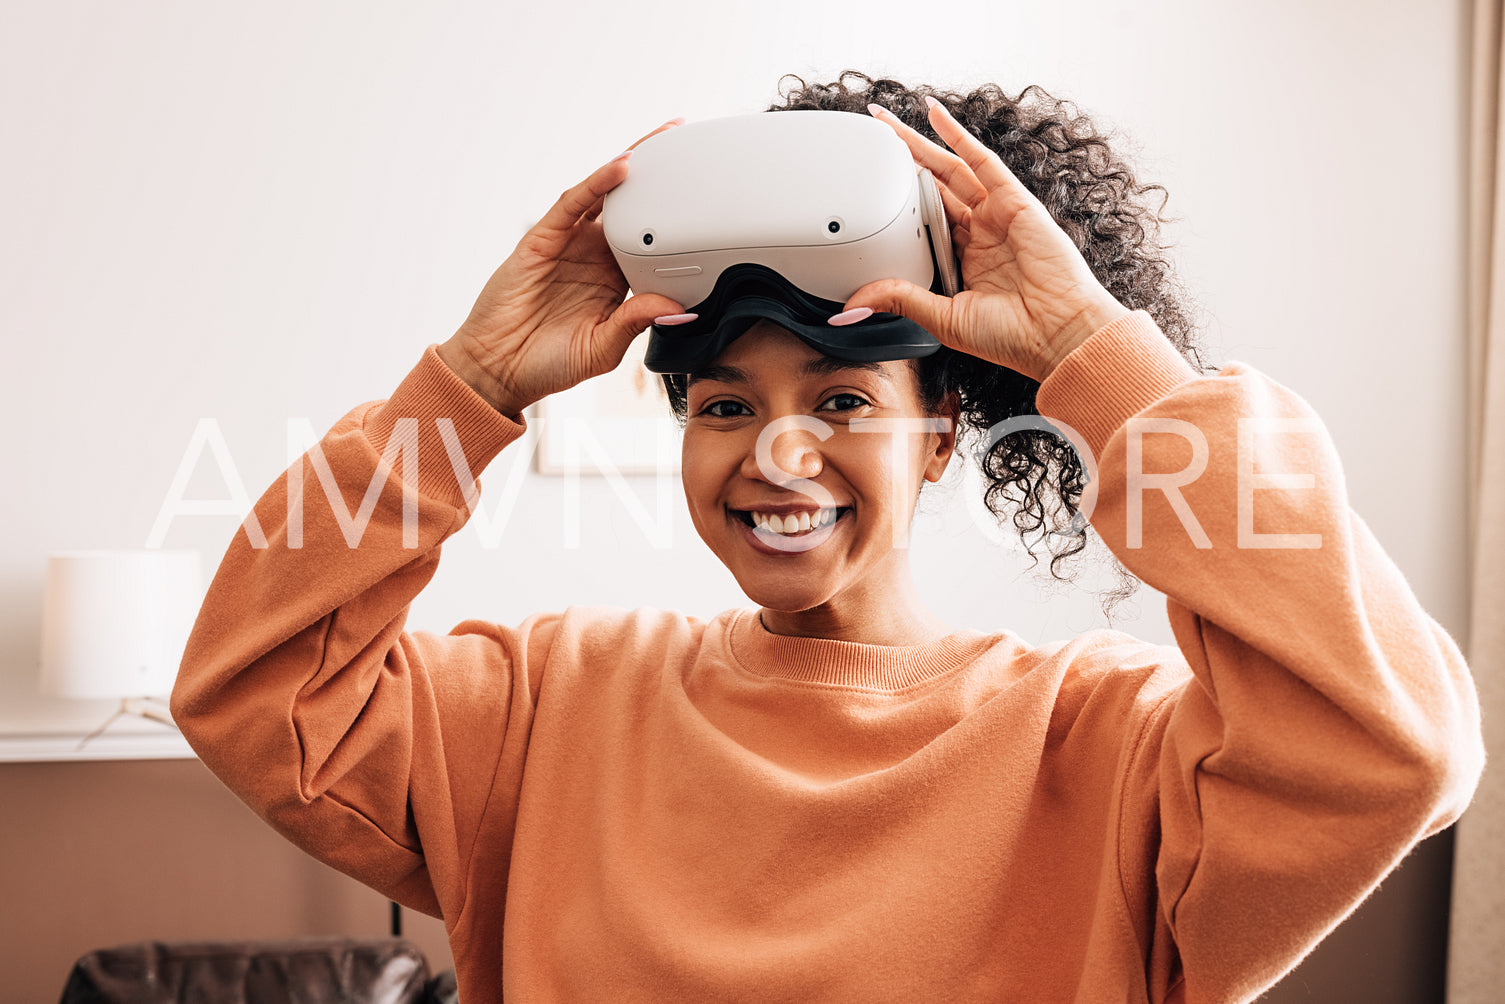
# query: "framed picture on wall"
{"type": "Point", "coordinates": [616, 423]}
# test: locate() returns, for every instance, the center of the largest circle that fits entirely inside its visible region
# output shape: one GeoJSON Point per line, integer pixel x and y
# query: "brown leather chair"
{"type": "Point", "coordinates": [303, 971]}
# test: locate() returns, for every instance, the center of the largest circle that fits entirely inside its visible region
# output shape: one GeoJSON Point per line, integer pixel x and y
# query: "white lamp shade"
{"type": "Point", "coordinates": [114, 623]}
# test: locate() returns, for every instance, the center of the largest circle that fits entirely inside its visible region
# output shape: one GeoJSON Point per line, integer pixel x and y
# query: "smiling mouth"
{"type": "Point", "coordinates": [790, 524]}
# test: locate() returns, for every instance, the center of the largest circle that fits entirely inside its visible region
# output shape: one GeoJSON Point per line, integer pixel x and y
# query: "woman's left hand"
{"type": "Point", "coordinates": [1030, 297]}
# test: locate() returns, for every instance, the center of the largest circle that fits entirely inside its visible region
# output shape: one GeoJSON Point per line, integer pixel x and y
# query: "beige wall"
{"type": "Point", "coordinates": [99, 854]}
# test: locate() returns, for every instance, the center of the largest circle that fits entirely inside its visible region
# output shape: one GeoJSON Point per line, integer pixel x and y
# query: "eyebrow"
{"type": "Point", "coordinates": [819, 366]}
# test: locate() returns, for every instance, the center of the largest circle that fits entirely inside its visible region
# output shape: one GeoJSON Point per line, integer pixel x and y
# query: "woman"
{"type": "Point", "coordinates": [837, 796]}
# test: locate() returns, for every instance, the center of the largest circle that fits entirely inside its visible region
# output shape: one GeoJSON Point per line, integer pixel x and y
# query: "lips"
{"type": "Point", "coordinates": [807, 527]}
{"type": "Point", "coordinates": [790, 522]}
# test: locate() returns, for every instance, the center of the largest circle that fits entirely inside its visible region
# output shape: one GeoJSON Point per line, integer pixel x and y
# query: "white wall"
{"type": "Point", "coordinates": [257, 212]}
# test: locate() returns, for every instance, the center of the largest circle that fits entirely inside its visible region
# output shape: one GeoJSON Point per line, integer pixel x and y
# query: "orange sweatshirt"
{"type": "Point", "coordinates": [611, 805]}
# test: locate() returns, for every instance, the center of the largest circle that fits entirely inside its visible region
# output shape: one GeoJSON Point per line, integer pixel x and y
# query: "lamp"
{"type": "Point", "coordinates": [114, 625]}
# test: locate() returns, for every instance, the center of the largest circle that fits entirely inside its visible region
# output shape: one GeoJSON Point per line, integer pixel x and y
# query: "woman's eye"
{"type": "Point", "coordinates": [842, 402]}
{"type": "Point", "coordinates": [723, 409]}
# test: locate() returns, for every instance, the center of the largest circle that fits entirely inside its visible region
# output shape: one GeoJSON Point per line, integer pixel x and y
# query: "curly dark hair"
{"type": "Point", "coordinates": [1035, 478]}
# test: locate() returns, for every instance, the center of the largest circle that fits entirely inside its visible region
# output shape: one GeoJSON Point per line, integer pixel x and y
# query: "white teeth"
{"type": "Point", "coordinates": [793, 523]}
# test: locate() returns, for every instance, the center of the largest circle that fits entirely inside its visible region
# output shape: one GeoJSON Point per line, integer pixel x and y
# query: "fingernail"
{"type": "Point", "coordinates": [851, 316]}
{"type": "Point", "coordinates": [677, 120]}
{"type": "Point", "coordinates": [877, 110]}
{"type": "Point", "coordinates": [676, 319]}
{"type": "Point", "coordinates": [933, 103]}
{"type": "Point", "coordinates": [621, 156]}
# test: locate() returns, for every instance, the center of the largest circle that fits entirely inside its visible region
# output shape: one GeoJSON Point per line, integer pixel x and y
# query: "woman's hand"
{"type": "Point", "coordinates": [554, 313]}
{"type": "Point", "coordinates": [1030, 297]}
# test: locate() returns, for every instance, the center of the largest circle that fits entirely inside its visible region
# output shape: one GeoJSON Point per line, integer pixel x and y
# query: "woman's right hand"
{"type": "Point", "coordinates": [554, 313]}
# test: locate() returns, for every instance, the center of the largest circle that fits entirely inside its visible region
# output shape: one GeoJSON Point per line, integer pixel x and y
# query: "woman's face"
{"type": "Point", "coordinates": [835, 451]}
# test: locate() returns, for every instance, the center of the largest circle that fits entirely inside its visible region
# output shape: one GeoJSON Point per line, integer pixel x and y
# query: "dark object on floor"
{"type": "Point", "coordinates": [302, 971]}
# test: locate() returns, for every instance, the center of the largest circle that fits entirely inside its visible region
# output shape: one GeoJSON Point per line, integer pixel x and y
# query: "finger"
{"type": "Point", "coordinates": [628, 321]}
{"type": "Point", "coordinates": [594, 210]}
{"type": "Point", "coordinates": [957, 211]}
{"type": "Point", "coordinates": [896, 296]}
{"type": "Point", "coordinates": [667, 125]}
{"type": "Point", "coordinates": [631, 318]}
{"type": "Point", "coordinates": [949, 169]}
{"type": "Point", "coordinates": [986, 166]}
{"type": "Point", "coordinates": [574, 203]}
{"type": "Point", "coordinates": [586, 198]}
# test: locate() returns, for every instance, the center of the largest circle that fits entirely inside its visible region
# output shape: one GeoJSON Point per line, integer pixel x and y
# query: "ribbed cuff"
{"type": "Point", "coordinates": [455, 427]}
{"type": "Point", "coordinates": [1126, 366]}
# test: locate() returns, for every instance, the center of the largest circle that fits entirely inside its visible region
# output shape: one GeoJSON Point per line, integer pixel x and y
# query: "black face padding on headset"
{"type": "Point", "coordinates": [746, 294]}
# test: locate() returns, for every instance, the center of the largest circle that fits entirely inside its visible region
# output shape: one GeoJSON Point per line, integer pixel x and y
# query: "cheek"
{"type": "Point", "coordinates": [703, 473]}
{"type": "Point", "coordinates": [870, 469]}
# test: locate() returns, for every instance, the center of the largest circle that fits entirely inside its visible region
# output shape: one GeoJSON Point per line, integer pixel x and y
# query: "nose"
{"type": "Point", "coordinates": [788, 450]}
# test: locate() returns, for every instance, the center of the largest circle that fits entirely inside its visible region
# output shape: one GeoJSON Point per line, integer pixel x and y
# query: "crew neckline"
{"type": "Point", "coordinates": [829, 662]}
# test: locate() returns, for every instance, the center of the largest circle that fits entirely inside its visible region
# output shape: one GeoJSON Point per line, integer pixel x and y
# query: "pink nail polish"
{"type": "Point", "coordinates": [676, 319]}
{"type": "Point", "coordinates": [877, 110]}
{"type": "Point", "coordinates": [621, 156]}
{"type": "Point", "coordinates": [933, 103]}
{"type": "Point", "coordinates": [851, 316]}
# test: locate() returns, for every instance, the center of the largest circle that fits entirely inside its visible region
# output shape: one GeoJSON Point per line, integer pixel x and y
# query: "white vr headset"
{"type": "Point", "coordinates": [779, 216]}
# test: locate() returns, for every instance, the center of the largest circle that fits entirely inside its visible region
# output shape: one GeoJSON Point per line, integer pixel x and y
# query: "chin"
{"type": "Point", "coordinates": [784, 596]}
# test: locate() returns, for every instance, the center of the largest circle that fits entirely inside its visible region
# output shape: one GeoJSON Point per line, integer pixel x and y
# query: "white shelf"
{"type": "Point", "coordinates": [110, 746]}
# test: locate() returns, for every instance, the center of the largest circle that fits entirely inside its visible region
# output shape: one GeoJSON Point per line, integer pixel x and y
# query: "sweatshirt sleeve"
{"type": "Point", "coordinates": [1329, 725]}
{"type": "Point", "coordinates": [370, 747]}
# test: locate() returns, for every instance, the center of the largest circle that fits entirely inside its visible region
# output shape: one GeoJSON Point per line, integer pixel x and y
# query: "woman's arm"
{"type": "Point", "coordinates": [366, 745]}
{"type": "Point", "coordinates": [1330, 723]}
{"type": "Point", "coordinates": [374, 748]}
